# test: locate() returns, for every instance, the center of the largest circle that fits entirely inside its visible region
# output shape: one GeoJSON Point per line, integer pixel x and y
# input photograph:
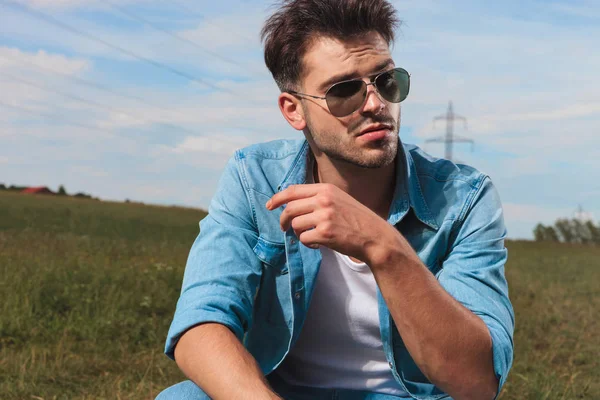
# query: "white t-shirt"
{"type": "Point", "coordinates": [340, 343]}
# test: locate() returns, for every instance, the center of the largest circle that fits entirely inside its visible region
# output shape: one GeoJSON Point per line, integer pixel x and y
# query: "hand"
{"type": "Point", "coordinates": [325, 215]}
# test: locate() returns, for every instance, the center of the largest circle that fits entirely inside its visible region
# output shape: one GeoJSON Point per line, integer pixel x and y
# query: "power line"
{"type": "Point", "coordinates": [246, 68]}
{"type": "Point", "coordinates": [108, 108]}
{"type": "Point", "coordinates": [53, 21]}
{"type": "Point", "coordinates": [107, 89]}
{"type": "Point", "coordinates": [202, 17]}
{"type": "Point", "coordinates": [69, 96]}
{"type": "Point", "coordinates": [95, 85]}
{"type": "Point", "coordinates": [171, 34]}
{"type": "Point", "coordinates": [450, 138]}
{"type": "Point", "coordinates": [55, 117]}
{"type": "Point", "coordinates": [49, 116]}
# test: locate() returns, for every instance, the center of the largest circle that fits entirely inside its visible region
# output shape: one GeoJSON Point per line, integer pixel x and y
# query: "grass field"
{"type": "Point", "coordinates": [88, 290]}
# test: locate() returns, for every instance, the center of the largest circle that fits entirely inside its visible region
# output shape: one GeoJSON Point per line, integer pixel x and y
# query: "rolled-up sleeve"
{"type": "Point", "coordinates": [222, 272]}
{"type": "Point", "coordinates": [473, 271]}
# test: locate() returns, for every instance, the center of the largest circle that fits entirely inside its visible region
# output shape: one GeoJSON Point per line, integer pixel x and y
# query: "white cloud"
{"type": "Point", "coordinates": [15, 59]}
{"type": "Point", "coordinates": [15, 71]}
{"type": "Point", "coordinates": [65, 4]}
{"type": "Point", "coordinates": [235, 120]}
{"type": "Point", "coordinates": [40, 92]}
{"type": "Point", "coordinates": [588, 9]}
{"type": "Point", "coordinates": [428, 6]}
{"type": "Point", "coordinates": [211, 145]}
{"type": "Point", "coordinates": [87, 171]}
{"type": "Point", "coordinates": [530, 164]}
{"type": "Point", "coordinates": [226, 31]}
{"type": "Point", "coordinates": [146, 42]}
{"type": "Point", "coordinates": [535, 213]}
{"type": "Point", "coordinates": [569, 111]}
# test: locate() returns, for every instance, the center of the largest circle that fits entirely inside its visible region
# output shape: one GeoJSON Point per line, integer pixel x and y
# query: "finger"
{"type": "Point", "coordinates": [295, 209]}
{"type": "Point", "coordinates": [311, 238]}
{"type": "Point", "coordinates": [294, 192]}
{"type": "Point", "coordinates": [303, 223]}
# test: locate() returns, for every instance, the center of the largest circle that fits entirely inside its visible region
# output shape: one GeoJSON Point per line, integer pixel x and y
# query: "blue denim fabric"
{"type": "Point", "coordinates": [246, 274]}
{"type": "Point", "coordinates": [187, 390]}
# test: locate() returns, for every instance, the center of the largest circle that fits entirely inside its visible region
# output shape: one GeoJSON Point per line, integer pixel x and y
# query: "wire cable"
{"type": "Point", "coordinates": [202, 17]}
{"type": "Point", "coordinates": [104, 88]}
{"type": "Point", "coordinates": [50, 116]}
{"type": "Point", "coordinates": [171, 34]}
{"type": "Point", "coordinates": [53, 21]}
{"type": "Point", "coordinates": [69, 96]}
{"type": "Point", "coordinates": [107, 89]}
{"type": "Point", "coordinates": [111, 109]}
{"type": "Point", "coordinates": [92, 84]}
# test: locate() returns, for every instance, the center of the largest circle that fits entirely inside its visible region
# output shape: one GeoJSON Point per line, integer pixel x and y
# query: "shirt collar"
{"type": "Point", "coordinates": [407, 193]}
{"type": "Point", "coordinates": [408, 189]}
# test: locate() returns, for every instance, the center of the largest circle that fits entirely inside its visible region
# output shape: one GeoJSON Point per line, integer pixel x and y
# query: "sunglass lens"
{"type": "Point", "coordinates": [393, 85]}
{"type": "Point", "coordinates": [346, 97]}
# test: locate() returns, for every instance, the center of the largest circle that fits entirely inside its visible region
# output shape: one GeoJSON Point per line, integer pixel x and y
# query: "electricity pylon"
{"type": "Point", "coordinates": [582, 215]}
{"type": "Point", "coordinates": [450, 138]}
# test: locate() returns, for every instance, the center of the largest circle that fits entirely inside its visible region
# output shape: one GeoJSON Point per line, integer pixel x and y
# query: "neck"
{"type": "Point", "coordinates": [373, 187]}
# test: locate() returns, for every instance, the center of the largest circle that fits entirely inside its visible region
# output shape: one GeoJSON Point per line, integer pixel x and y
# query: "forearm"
{"type": "Point", "coordinates": [449, 343]}
{"type": "Point", "coordinates": [213, 358]}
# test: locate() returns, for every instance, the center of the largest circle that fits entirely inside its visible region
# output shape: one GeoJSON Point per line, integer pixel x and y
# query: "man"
{"type": "Point", "coordinates": [345, 265]}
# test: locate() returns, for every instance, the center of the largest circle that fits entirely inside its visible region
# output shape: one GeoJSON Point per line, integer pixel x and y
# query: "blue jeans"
{"type": "Point", "coordinates": [187, 390]}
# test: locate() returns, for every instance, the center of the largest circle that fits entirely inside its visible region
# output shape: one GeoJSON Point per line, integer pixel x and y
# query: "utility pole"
{"type": "Point", "coordinates": [450, 138]}
{"type": "Point", "coordinates": [581, 215]}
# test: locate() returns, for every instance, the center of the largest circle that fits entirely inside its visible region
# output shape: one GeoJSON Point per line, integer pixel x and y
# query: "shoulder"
{"type": "Point", "coordinates": [280, 149]}
{"type": "Point", "coordinates": [448, 188]}
{"type": "Point", "coordinates": [443, 170]}
{"type": "Point", "coordinates": [263, 166]}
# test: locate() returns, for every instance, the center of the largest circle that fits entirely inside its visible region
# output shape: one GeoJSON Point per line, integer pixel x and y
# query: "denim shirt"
{"type": "Point", "coordinates": [245, 273]}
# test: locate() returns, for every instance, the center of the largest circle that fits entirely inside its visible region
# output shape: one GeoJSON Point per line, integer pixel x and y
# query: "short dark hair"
{"type": "Point", "coordinates": [289, 31]}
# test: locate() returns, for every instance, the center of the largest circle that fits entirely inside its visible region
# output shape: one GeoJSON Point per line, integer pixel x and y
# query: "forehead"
{"type": "Point", "coordinates": [327, 57]}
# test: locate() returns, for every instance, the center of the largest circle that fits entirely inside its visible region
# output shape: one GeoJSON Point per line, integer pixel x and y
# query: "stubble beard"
{"type": "Point", "coordinates": [337, 149]}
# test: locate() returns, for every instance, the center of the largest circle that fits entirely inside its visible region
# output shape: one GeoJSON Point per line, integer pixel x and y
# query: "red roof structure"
{"type": "Point", "coordinates": [38, 190]}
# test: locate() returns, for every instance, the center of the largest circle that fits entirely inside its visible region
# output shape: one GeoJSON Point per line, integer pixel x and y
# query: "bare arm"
{"type": "Point", "coordinates": [457, 326]}
{"type": "Point", "coordinates": [450, 344]}
{"type": "Point", "coordinates": [215, 360]}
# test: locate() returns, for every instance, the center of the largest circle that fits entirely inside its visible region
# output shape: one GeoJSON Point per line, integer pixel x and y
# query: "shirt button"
{"type": "Point", "coordinates": [391, 365]}
{"type": "Point", "coordinates": [297, 296]}
{"type": "Point", "coordinates": [293, 241]}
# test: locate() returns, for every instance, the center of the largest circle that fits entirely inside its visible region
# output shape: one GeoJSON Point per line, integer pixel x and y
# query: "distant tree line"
{"type": "Point", "coordinates": [61, 191]}
{"type": "Point", "coordinates": [12, 187]}
{"type": "Point", "coordinates": [569, 231]}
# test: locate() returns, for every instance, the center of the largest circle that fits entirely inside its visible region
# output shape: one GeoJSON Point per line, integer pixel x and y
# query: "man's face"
{"type": "Point", "coordinates": [342, 138]}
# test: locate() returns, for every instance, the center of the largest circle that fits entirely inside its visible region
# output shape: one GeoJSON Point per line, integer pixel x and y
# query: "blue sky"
{"type": "Point", "coordinates": [77, 112]}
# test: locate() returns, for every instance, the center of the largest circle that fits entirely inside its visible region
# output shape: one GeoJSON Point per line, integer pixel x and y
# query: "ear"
{"type": "Point", "coordinates": [292, 110]}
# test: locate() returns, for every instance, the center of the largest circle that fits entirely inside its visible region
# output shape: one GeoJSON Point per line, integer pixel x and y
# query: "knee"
{"type": "Point", "coordinates": [186, 390]}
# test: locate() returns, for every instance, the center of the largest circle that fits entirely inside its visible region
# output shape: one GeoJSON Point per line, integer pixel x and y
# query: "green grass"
{"type": "Point", "coordinates": [88, 290]}
{"type": "Point", "coordinates": [555, 290]}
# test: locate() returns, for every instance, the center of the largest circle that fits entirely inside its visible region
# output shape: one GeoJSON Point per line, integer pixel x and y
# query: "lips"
{"type": "Point", "coordinates": [374, 128]}
{"type": "Point", "coordinates": [374, 133]}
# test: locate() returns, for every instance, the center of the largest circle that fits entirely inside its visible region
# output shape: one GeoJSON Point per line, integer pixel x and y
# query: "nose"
{"type": "Point", "coordinates": [373, 102]}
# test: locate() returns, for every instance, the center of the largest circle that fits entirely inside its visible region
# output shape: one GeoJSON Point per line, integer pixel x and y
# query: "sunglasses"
{"type": "Point", "coordinates": [343, 98]}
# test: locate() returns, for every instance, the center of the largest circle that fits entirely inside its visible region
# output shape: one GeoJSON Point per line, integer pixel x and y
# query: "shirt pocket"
{"type": "Point", "coordinates": [272, 255]}
{"type": "Point", "coordinates": [272, 301]}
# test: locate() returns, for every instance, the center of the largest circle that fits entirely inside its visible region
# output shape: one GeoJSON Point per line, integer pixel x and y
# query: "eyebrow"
{"type": "Point", "coordinates": [345, 77]}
